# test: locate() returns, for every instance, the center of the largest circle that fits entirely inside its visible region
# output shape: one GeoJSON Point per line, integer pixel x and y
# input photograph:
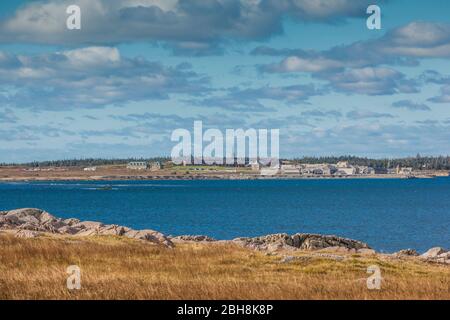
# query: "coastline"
{"type": "Point", "coordinates": [119, 263]}
{"type": "Point", "coordinates": [207, 177]}
{"type": "Point", "coordinates": [33, 223]}
{"type": "Point", "coordinates": [121, 173]}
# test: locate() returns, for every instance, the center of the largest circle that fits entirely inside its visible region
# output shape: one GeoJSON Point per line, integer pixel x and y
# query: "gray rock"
{"type": "Point", "coordinates": [71, 221]}
{"type": "Point", "coordinates": [47, 218]}
{"type": "Point", "coordinates": [112, 230]}
{"type": "Point", "coordinates": [194, 238]}
{"type": "Point", "coordinates": [406, 253]}
{"type": "Point", "coordinates": [27, 218]}
{"type": "Point", "coordinates": [29, 223]}
{"type": "Point", "coordinates": [302, 241]}
{"type": "Point", "coordinates": [273, 247]}
{"type": "Point", "coordinates": [149, 235]}
{"type": "Point", "coordinates": [68, 230]}
{"type": "Point", "coordinates": [445, 255]}
{"type": "Point", "coordinates": [433, 253]}
{"type": "Point", "coordinates": [88, 225]}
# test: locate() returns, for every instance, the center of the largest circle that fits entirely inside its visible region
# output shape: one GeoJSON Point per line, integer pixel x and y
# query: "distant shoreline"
{"type": "Point", "coordinates": [122, 173]}
{"type": "Point", "coordinates": [199, 178]}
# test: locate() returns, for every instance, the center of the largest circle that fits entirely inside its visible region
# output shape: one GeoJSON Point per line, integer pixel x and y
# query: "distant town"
{"type": "Point", "coordinates": [164, 168]}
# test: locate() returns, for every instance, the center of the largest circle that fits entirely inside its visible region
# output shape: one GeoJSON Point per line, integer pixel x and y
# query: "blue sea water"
{"type": "Point", "coordinates": [388, 214]}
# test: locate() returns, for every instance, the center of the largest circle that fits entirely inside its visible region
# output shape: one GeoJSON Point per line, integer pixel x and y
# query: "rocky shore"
{"type": "Point", "coordinates": [32, 223]}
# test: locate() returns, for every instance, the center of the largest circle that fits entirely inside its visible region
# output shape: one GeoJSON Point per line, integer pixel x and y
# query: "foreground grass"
{"type": "Point", "coordinates": [115, 268]}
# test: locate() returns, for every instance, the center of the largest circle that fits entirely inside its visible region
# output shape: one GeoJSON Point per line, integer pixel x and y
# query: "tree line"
{"type": "Point", "coordinates": [417, 163]}
{"type": "Point", "coordinates": [88, 162]}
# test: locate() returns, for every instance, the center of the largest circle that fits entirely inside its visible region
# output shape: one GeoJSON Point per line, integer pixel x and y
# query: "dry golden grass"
{"type": "Point", "coordinates": [114, 268]}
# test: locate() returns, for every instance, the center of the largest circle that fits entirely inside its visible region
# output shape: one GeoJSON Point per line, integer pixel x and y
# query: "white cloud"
{"type": "Point", "coordinates": [418, 39]}
{"type": "Point", "coordinates": [298, 64]}
{"type": "Point", "coordinates": [410, 105]}
{"type": "Point", "coordinates": [359, 115]}
{"type": "Point", "coordinates": [91, 77]}
{"type": "Point", "coordinates": [370, 81]}
{"type": "Point", "coordinates": [443, 97]}
{"type": "Point", "coordinates": [189, 25]}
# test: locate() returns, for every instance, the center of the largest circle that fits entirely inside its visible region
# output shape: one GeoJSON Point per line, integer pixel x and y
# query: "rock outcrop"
{"type": "Point", "coordinates": [302, 241]}
{"type": "Point", "coordinates": [30, 223]}
{"type": "Point", "coordinates": [190, 238]}
{"type": "Point", "coordinates": [406, 253]}
{"type": "Point", "coordinates": [437, 254]}
{"type": "Point", "coordinates": [433, 253]}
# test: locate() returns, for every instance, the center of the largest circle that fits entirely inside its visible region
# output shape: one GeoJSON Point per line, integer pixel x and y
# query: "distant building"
{"type": "Point", "coordinates": [137, 165]}
{"type": "Point", "coordinates": [404, 171]}
{"type": "Point", "coordinates": [342, 164]}
{"type": "Point", "coordinates": [364, 170]}
{"type": "Point", "coordinates": [255, 166]}
{"type": "Point", "coordinates": [318, 169]}
{"type": "Point", "coordinates": [381, 171]}
{"type": "Point", "coordinates": [167, 164]}
{"type": "Point", "coordinates": [155, 166]}
{"type": "Point", "coordinates": [90, 169]}
{"type": "Point", "coordinates": [392, 170]}
{"type": "Point", "coordinates": [329, 169]}
{"type": "Point", "coordinates": [290, 169]}
{"type": "Point", "coordinates": [269, 171]}
{"type": "Point", "coordinates": [346, 171]}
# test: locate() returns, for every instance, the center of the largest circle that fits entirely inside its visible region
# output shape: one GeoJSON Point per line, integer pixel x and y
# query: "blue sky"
{"type": "Point", "coordinates": [139, 69]}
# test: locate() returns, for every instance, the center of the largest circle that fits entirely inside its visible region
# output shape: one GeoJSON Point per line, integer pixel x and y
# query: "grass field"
{"type": "Point", "coordinates": [113, 268]}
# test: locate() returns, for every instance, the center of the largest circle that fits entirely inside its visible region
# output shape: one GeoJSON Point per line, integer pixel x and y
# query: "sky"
{"type": "Point", "coordinates": [139, 69]}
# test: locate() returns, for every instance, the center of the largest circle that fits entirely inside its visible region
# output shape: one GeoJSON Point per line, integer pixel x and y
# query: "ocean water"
{"type": "Point", "coordinates": [388, 214]}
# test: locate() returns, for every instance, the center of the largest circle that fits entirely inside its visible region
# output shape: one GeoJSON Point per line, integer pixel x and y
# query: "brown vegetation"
{"type": "Point", "coordinates": [114, 268]}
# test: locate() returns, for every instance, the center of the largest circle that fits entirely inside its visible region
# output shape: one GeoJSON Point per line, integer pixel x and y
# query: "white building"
{"type": "Point", "coordinates": [346, 171]}
{"type": "Point", "coordinates": [90, 169]}
{"type": "Point", "coordinates": [255, 166]}
{"type": "Point", "coordinates": [364, 170]}
{"type": "Point", "coordinates": [269, 171]}
{"type": "Point", "coordinates": [155, 166]}
{"type": "Point", "coordinates": [318, 169]}
{"type": "Point", "coordinates": [405, 171]}
{"type": "Point", "coordinates": [290, 169]}
{"type": "Point", "coordinates": [342, 164]}
{"type": "Point", "coordinates": [137, 165]}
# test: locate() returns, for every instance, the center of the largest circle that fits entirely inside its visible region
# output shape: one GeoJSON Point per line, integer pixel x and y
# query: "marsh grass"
{"type": "Point", "coordinates": [116, 268]}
